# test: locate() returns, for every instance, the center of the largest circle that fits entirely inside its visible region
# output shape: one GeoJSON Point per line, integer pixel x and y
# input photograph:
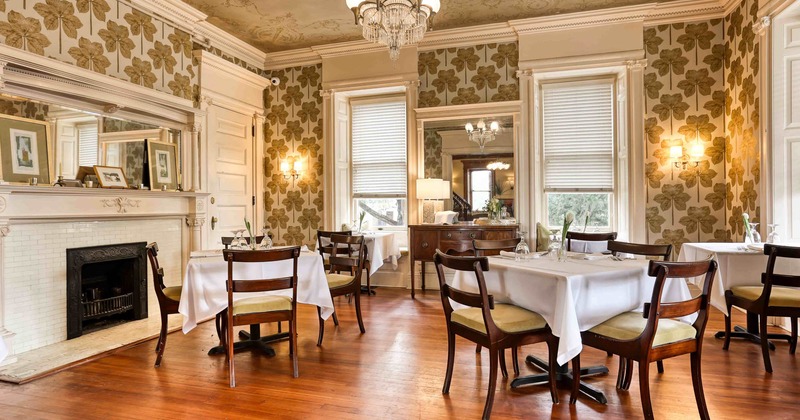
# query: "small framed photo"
{"type": "Point", "coordinates": [25, 150]}
{"type": "Point", "coordinates": [162, 160]}
{"type": "Point", "coordinates": [111, 177]}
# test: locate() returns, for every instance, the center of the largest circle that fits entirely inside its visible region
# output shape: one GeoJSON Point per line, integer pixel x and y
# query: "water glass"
{"type": "Point", "coordinates": [773, 237]}
{"type": "Point", "coordinates": [522, 251]}
{"type": "Point", "coordinates": [266, 242]}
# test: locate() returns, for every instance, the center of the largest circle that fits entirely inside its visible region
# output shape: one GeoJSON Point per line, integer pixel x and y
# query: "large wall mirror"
{"type": "Point", "coordinates": [80, 138]}
{"type": "Point", "coordinates": [477, 174]}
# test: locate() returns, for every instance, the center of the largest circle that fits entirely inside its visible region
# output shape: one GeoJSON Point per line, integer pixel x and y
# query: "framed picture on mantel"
{"type": "Point", "coordinates": [111, 177]}
{"type": "Point", "coordinates": [162, 162]}
{"type": "Point", "coordinates": [25, 150]}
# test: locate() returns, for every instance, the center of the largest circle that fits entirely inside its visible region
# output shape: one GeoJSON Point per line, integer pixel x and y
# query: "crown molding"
{"type": "Point", "coordinates": [461, 37]}
{"type": "Point", "coordinates": [210, 60]}
{"type": "Point", "coordinates": [770, 8]}
{"type": "Point", "coordinates": [291, 58]}
{"type": "Point", "coordinates": [174, 11]}
{"type": "Point", "coordinates": [211, 36]}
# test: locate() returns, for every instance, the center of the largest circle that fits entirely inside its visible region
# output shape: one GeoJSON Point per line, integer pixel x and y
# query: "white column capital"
{"type": "Point", "coordinates": [527, 73]}
{"type": "Point", "coordinates": [636, 64]}
{"type": "Point", "coordinates": [761, 25]}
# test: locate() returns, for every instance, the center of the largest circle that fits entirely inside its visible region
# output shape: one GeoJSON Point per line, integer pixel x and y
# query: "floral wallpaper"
{"type": "Point", "coordinates": [106, 36]}
{"type": "Point", "coordinates": [742, 134]}
{"type": "Point", "coordinates": [685, 94]}
{"type": "Point", "coordinates": [468, 75]}
{"type": "Point", "coordinates": [26, 109]}
{"type": "Point", "coordinates": [293, 131]}
{"type": "Point", "coordinates": [231, 59]}
{"type": "Point", "coordinates": [433, 153]}
{"type": "Point", "coordinates": [114, 125]}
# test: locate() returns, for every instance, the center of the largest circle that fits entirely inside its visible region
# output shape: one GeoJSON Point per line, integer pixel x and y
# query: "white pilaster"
{"type": "Point", "coordinates": [637, 198]}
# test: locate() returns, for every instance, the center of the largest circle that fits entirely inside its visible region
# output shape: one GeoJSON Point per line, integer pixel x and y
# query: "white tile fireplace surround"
{"type": "Point", "coordinates": [38, 225]}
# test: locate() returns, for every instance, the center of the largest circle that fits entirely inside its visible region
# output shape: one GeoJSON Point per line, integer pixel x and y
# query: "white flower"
{"type": "Point", "coordinates": [745, 216]}
{"type": "Point", "coordinates": [569, 217]}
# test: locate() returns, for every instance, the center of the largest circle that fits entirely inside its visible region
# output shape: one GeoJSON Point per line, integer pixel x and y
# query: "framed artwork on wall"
{"type": "Point", "coordinates": [162, 159]}
{"type": "Point", "coordinates": [25, 150]}
{"type": "Point", "coordinates": [111, 176]}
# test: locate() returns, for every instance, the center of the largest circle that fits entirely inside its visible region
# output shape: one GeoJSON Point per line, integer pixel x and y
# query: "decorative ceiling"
{"type": "Point", "coordinates": [277, 25]}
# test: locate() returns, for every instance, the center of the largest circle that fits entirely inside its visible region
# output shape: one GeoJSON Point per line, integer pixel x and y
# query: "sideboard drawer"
{"type": "Point", "coordinates": [500, 234]}
{"type": "Point", "coordinates": [425, 244]}
{"type": "Point", "coordinates": [460, 235]}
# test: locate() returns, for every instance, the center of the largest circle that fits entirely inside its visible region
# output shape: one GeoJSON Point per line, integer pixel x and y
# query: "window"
{"type": "Point", "coordinates": [578, 133]}
{"type": "Point", "coordinates": [87, 144]}
{"type": "Point", "coordinates": [379, 168]}
{"type": "Point", "coordinates": [480, 188]}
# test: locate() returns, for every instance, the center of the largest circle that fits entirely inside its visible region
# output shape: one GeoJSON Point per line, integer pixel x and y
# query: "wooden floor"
{"type": "Point", "coordinates": [394, 371]}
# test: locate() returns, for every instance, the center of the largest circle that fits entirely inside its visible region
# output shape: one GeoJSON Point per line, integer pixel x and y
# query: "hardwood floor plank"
{"type": "Point", "coordinates": [394, 371]}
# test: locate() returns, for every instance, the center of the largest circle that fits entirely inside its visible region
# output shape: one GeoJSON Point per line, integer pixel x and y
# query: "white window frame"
{"type": "Point", "coordinates": [361, 100]}
{"type": "Point", "coordinates": [615, 193]}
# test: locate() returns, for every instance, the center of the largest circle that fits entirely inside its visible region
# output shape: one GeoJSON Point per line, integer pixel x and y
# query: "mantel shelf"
{"type": "Point", "coordinates": [26, 189]}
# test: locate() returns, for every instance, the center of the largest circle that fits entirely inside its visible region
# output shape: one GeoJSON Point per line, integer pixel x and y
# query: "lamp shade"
{"type": "Point", "coordinates": [445, 189]}
{"type": "Point", "coordinates": [429, 188]}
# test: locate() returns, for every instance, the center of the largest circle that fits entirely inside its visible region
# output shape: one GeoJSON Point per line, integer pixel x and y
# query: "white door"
{"type": "Point", "coordinates": [230, 172]}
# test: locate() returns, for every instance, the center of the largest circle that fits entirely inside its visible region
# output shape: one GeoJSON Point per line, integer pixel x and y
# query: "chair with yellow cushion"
{"type": "Point", "coordinates": [168, 298]}
{"type": "Point", "coordinates": [263, 308]}
{"type": "Point", "coordinates": [347, 259]}
{"type": "Point", "coordinates": [495, 326]}
{"type": "Point", "coordinates": [655, 334]}
{"type": "Point", "coordinates": [780, 296]}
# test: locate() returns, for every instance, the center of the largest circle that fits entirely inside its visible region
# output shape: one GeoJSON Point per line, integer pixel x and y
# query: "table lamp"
{"type": "Point", "coordinates": [432, 191]}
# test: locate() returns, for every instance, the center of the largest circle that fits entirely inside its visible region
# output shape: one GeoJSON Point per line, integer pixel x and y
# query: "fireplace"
{"type": "Point", "coordinates": [106, 285]}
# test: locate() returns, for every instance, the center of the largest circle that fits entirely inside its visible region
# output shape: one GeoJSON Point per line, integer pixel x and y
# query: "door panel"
{"type": "Point", "coordinates": [231, 166]}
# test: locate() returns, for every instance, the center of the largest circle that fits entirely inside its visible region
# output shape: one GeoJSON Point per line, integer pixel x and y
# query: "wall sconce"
{"type": "Point", "coordinates": [293, 169]}
{"type": "Point", "coordinates": [696, 152]}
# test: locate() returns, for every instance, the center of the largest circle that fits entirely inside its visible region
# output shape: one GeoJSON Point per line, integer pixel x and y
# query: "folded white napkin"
{"type": "Point", "coordinates": [756, 247]}
{"type": "Point", "coordinates": [589, 257]}
{"type": "Point", "coordinates": [304, 248]}
{"type": "Point", "coordinates": [509, 254]}
{"type": "Point", "coordinates": [444, 217]}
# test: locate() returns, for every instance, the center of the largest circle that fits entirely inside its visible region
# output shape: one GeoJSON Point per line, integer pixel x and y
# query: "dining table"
{"type": "Point", "coordinates": [573, 295]}
{"type": "Point", "coordinates": [739, 264]}
{"type": "Point", "coordinates": [204, 293]}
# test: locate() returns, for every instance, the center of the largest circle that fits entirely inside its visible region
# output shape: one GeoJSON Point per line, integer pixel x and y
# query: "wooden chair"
{"type": "Point", "coordinates": [168, 298]}
{"type": "Point", "coordinates": [780, 296]}
{"type": "Point", "coordinates": [484, 248]}
{"type": "Point", "coordinates": [653, 335]}
{"type": "Point", "coordinates": [267, 308]}
{"type": "Point", "coordinates": [325, 251]}
{"type": "Point", "coordinates": [226, 240]}
{"type": "Point", "coordinates": [662, 251]}
{"type": "Point", "coordinates": [589, 237]}
{"type": "Point", "coordinates": [344, 276]}
{"type": "Point", "coordinates": [494, 326]}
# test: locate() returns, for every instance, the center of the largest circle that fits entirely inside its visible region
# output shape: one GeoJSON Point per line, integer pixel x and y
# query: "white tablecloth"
{"type": "Point", "coordinates": [204, 294]}
{"type": "Point", "coordinates": [3, 350]}
{"type": "Point", "coordinates": [738, 266]}
{"type": "Point", "coordinates": [574, 295]}
{"type": "Point", "coordinates": [382, 246]}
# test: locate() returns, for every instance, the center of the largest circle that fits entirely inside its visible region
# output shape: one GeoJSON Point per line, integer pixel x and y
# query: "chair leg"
{"type": "Point", "coordinates": [368, 268]}
{"type": "Point", "coordinates": [764, 342]}
{"type": "Point", "coordinates": [552, 354]}
{"type": "Point", "coordinates": [793, 345]}
{"type": "Point", "coordinates": [162, 339]}
{"type": "Point", "coordinates": [493, 362]}
{"type": "Point", "coordinates": [502, 356]}
{"type": "Point", "coordinates": [697, 383]}
{"type": "Point", "coordinates": [660, 366]}
{"type": "Point", "coordinates": [478, 348]}
{"type": "Point", "coordinates": [293, 346]}
{"type": "Point", "coordinates": [218, 325]}
{"type": "Point", "coordinates": [621, 372]}
{"type": "Point", "coordinates": [727, 330]}
{"type": "Point", "coordinates": [644, 389]}
{"type": "Point", "coordinates": [229, 342]}
{"type": "Point", "coordinates": [451, 354]}
{"type": "Point", "coordinates": [515, 360]}
{"type": "Point", "coordinates": [576, 379]}
{"type": "Point", "coordinates": [321, 325]}
{"type": "Point", "coordinates": [335, 318]}
{"type": "Point", "coordinates": [628, 374]}
{"type": "Point", "coordinates": [358, 311]}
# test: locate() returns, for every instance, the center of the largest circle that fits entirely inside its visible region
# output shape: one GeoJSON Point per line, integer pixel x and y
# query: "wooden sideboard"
{"type": "Point", "coordinates": [426, 239]}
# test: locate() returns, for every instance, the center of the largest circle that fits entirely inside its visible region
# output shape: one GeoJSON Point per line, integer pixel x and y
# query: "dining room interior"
{"type": "Point", "coordinates": [399, 208]}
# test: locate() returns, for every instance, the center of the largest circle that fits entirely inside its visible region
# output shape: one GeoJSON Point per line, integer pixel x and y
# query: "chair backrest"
{"type": "Point", "coordinates": [324, 245]}
{"type": "Point", "coordinates": [769, 278]}
{"type": "Point", "coordinates": [663, 251]}
{"type": "Point", "coordinates": [347, 253]}
{"type": "Point", "coordinates": [226, 240]}
{"type": "Point", "coordinates": [655, 309]}
{"type": "Point", "coordinates": [485, 247]}
{"type": "Point", "coordinates": [589, 237]}
{"type": "Point", "coordinates": [158, 272]}
{"type": "Point", "coordinates": [482, 299]}
{"type": "Point", "coordinates": [261, 284]}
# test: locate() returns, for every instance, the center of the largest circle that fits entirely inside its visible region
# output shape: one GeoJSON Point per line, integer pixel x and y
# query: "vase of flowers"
{"type": "Point", "coordinates": [562, 250]}
{"type": "Point", "coordinates": [252, 245]}
{"type": "Point", "coordinates": [494, 207]}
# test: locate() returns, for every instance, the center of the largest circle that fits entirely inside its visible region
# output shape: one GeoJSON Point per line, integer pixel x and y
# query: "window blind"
{"type": "Point", "coordinates": [379, 148]}
{"type": "Point", "coordinates": [578, 132]}
{"type": "Point", "coordinates": [87, 145]}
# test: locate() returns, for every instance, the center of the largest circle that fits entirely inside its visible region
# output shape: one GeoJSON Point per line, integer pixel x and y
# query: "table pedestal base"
{"type": "Point", "coordinates": [368, 290]}
{"type": "Point", "coordinates": [751, 333]}
{"type": "Point", "coordinates": [564, 378]}
{"type": "Point", "coordinates": [252, 340]}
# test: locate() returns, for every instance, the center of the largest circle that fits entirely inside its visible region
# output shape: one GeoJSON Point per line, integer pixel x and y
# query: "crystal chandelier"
{"type": "Point", "coordinates": [498, 166]}
{"type": "Point", "coordinates": [481, 135]}
{"type": "Point", "coordinates": [395, 23]}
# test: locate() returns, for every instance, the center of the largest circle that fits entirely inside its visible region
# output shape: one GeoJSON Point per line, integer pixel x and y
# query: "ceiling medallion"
{"type": "Point", "coordinates": [394, 23]}
{"type": "Point", "coordinates": [481, 134]}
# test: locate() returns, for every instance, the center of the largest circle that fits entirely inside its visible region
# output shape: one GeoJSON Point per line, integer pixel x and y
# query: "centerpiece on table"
{"type": "Point", "coordinates": [562, 251]}
{"type": "Point", "coordinates": [494, 207]}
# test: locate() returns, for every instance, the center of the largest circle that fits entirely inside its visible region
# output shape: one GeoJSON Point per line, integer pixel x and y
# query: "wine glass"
{"type": "Point", "coordinates": [266, 242]}
{"type": "Point", "coordinates": [555, 244]}
{"type": "Point", "coordinates": [522, 252]}
{"type": "Point", "coordinates": [241, 242]}
{"type": "Point", "coordinates": [235, 241]}
{"type": "Point", "coordinates": [773, 237]}
{"type": "Point", "coordinates": [754, 231]}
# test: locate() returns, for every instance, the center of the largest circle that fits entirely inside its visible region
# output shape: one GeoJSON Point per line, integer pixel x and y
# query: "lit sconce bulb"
{"type": "Point", "coordinates": [298, 166]}
{"type": "Point", "coordinates": [481, 125]}
{"type": "Point", "coordinates": [284, 166]}
{"type": "Point", "coordinates": [696, 151]}
{"type": "Point", "coordinates": [469, 127]}
{"type": "Point", "coordinates": [495, 126]}
{"type": "Point", "coordinates": [676, 152]}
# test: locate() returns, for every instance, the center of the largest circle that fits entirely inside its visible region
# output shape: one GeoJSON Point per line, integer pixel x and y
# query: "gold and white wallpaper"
{"type": "Point", "coordinates": [433, 154]}
{"type": "Point", "coordinates": [26, 109]}
{"type": "Point", "coordinates": [468, 75]}
{"type": "Point", "coordinates": [105, 36]}
{"type": "Point", "coordinates": [742, 134]}
{"type": "Point", "coordinates": [293, 131]}
{"type": "Point", "coordinates": [685, 92]}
